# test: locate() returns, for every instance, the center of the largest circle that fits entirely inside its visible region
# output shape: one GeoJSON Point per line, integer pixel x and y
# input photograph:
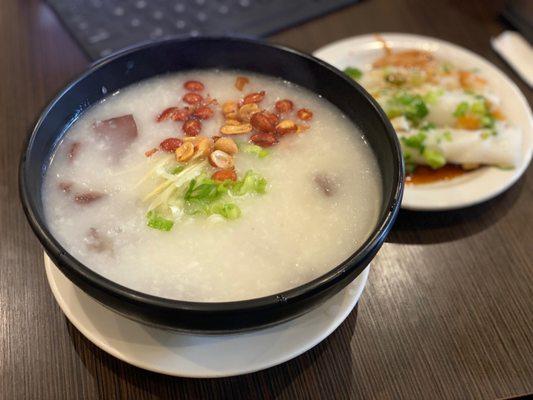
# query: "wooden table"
{"type": "Point", "coordinates": [448, 310]}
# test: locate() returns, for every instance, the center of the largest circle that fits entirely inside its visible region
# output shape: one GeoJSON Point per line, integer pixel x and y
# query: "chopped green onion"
{"type": "Point", "coordinates": [176, 170]}
{"type": "Point", "coordinates": [205, 196]}
{"type": "Point", "coordinates": [434, 158]}
{"type": "Point", "coordinates": [354, 73]}
{"type": "Point", "coordinates": [479, 107]}
{"type": "Point", "coordinates": [205, 189]}
{"type": "Point", "coordinates": [447, 136]}
{"type": "Point", "coordinates": [461, 109]}
{"type": "Point", "coordinates": [189, 190]}
{"type": "Point", "coordinates": [156, 221]}
{"type": "Point", "coordinates": [415, 141]}
{"type": "Point", "coordinates": [487, 121]}
{"type": "Point", "coordinates": [227, 210]}
{"type": "Point", "coordinates": [252, 149]}
{"type": "Point", "coordinates": [433, 96]}
{"type": "Point", "coordinates": [251, 183]}
{"type": "Point", "coordinates": [428, 126]}
{"type": "Point", "coordinates": [411, 106]}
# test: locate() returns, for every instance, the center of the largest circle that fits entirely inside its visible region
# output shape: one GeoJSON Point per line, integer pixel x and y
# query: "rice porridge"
{"type": "Point", "coordinates": [212, 186]}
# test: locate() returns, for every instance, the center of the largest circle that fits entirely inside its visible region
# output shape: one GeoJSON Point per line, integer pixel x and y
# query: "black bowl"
{"type": "Point", "coordinates": [148, 60]}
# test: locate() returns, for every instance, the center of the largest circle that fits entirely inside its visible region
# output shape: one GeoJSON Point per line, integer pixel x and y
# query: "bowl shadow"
{"type": "Point", "coordinates": [288, 379]}
{"type": "Point", "coordinates": [427, 227]}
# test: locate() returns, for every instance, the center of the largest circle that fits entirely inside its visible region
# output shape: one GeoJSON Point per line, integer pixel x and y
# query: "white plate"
{"type": "Point", "coordinates": [471, 188]}
{"type": "Point", "coordinates": [200, 356]}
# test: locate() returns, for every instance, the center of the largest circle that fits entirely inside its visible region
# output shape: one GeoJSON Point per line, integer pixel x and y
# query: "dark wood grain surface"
{"type": "Point", "coordinates": [448, 310]}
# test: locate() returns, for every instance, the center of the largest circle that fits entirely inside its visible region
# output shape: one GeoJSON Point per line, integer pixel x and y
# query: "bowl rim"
{"type": "Point", "coordinates": [391, 205]}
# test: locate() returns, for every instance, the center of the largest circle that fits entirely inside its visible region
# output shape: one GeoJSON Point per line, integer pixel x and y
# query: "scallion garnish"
{"type": "Point", "coordinates": [411, 106]}
{"type": "Point", "coordinates": [253, 149]}
{"type": "Point", "coordinates": [461, 109]}
{"type": "Point", "coordinates": [250, 184]}
{"type": "Point", "coordinates": [176, 170]}
{"type": "Point", "coordinates": [156, 221]}
{"type": "Point", "coordinates": [354, 73]}
{"type": "Point", "coordinates": [415, 141]}
{"type": "Point", "coordinates": [227, 210]}
{"type": "Point", "coordinates": [434, 158]}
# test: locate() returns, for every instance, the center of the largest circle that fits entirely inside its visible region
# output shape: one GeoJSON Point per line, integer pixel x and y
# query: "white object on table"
{"type": "Point", "coordinates": [194, 355]}
{"type": "Point", "coordinates": [476, 186]}
{"type": "Point", "coordinates": [514, 49]}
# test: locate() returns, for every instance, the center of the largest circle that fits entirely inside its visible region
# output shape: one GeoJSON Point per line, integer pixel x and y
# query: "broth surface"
{"type": "Point", "coordinates": [322, 199]}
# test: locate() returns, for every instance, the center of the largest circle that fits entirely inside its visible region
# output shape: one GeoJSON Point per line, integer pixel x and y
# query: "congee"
{"type": "Point", "coordinates": [212, 186]}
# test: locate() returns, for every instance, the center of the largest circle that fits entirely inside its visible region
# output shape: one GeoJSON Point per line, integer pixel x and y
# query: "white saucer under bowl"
{"type": "Point", "coordinates": [199, 356]}
{"type": "Point", "coordinates": [474, 187]}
